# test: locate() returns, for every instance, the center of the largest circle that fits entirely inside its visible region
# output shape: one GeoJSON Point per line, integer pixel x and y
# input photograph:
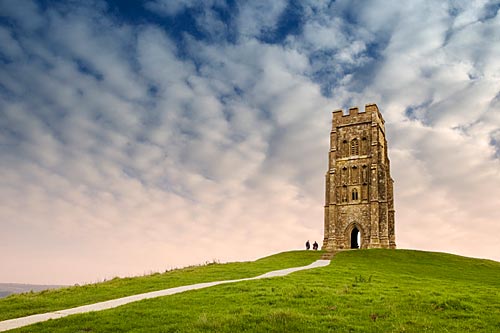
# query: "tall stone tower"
{"type": "Point", "coordinates": [359, 203]}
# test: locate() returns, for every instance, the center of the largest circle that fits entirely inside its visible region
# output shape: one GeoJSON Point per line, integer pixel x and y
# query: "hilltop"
{"type": "Point", "coordinates": [361, 291]}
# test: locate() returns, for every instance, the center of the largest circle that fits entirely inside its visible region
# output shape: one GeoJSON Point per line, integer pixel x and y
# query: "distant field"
{"type": "Point", "coordinates": [18, 288]}
{"type": "Point", "coordinates": [361, 291]}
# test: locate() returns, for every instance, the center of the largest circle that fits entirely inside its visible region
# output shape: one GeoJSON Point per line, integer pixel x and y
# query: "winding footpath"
{"type": "Point", "coordinates": [24, 321]}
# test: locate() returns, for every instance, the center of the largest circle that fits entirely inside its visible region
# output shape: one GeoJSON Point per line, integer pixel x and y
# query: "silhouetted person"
{"type": "Point", "coordinates": [308, 245]}
{"type": "Point", "coordinates": [315, 246]}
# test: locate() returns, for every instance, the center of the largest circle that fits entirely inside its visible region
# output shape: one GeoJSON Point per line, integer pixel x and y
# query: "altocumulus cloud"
{"type": "Point", "coordinates": [135, 139]}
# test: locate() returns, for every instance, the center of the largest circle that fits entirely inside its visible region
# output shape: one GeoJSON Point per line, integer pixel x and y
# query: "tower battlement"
{"type": "Point", "coordinates": [371, 113]}
{"type": "Point", "coordinates": [354, 111]}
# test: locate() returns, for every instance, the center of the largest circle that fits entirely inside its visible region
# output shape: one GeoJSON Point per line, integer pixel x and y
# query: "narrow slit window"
{"type": "Point", "coordinates": [355, 147]}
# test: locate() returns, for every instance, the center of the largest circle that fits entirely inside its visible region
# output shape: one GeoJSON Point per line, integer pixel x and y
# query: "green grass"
{"type": "Point", "coordinates": [15, 306]}
{"type": "Point", "coordinates": [361, 291]}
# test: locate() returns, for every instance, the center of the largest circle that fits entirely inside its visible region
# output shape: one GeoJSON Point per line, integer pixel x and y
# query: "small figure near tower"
{"type": "Point", "coordinates": [359, 202]}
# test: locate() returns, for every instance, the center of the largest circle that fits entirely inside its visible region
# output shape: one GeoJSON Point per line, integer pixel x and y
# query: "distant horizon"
{"type": "Point", "coordinates": [7, 289]}
{"type": "Point", "coordinates": [40, 287]}
{"type": "Point", "coordinates": [140, 136]}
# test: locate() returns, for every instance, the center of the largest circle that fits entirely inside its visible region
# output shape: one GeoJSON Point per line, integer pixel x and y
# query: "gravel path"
{"type": "Point", "coordinates": [24, 321]}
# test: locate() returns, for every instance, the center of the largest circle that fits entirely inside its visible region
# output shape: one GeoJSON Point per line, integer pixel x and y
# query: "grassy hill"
{"type": "Point", "coordinates": [361, 291]}
{"type": "Point", "coordinates": [26, 304]}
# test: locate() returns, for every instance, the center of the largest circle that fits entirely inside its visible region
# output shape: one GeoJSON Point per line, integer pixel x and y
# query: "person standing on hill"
{"type": "Point", "coordinates": [308, 245]}
{"type": "Point", "coordinates": [315, 246]}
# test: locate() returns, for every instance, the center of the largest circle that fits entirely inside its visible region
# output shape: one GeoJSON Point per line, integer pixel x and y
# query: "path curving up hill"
{"type": "Point", "coordinates": [24, 321]}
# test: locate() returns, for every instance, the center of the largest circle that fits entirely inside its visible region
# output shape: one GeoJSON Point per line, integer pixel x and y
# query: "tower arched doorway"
{"type": "Point", "coordinates": [355, 238]}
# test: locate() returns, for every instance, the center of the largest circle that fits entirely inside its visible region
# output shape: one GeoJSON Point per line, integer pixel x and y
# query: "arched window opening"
{"type": "Point", "coordinates": [354, 147]}
{"type": "Point", "coordinates": [354, 194]}
{"type": "Point", "coordinates": [345, 148]}
{"type": "Point", "coordinates": [344, 193]}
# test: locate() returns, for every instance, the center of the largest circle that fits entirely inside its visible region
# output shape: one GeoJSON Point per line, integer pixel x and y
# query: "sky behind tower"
{"type": "Point", "coordinates": [140, 136]}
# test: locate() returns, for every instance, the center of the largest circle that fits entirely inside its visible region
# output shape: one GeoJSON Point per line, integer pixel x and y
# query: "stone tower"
{"type": "Point", "coordinates": [359, 203]}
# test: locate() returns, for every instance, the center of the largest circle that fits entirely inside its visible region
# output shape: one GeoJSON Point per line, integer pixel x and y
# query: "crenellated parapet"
{"type": "Point", "coordinates": [354, 116]}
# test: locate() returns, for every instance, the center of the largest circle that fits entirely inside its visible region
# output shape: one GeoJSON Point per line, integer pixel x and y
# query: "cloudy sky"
{"type": "Point", "coordinates": [141, 136]}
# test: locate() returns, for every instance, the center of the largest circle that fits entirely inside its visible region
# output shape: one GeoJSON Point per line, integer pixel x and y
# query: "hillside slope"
{"type": "Point", "coordinates": [361, 291]}
{"type": "Point", "coordinates": [30, 303]}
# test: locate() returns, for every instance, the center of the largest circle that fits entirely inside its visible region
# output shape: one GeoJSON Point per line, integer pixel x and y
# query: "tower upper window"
{"type": "Point", "coordinates": [354, 194]}
{"type": "Point", "coordinates": [354, 147]}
